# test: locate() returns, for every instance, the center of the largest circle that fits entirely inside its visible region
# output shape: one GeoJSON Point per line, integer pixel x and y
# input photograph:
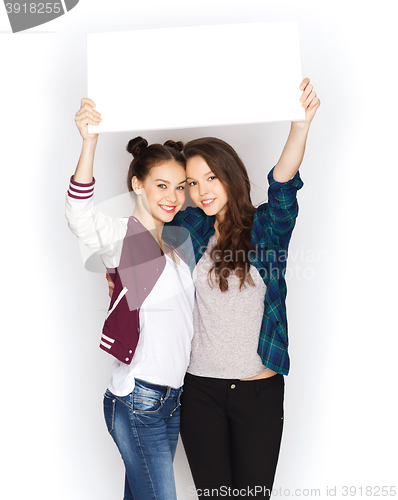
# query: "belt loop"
{"type": "Point", "coordinates": [257, 386]}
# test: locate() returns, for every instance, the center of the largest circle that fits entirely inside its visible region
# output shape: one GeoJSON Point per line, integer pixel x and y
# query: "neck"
{"type": "Point", "coordinates": [153, 225]}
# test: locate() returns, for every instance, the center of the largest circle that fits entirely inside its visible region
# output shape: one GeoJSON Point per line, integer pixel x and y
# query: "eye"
{"type": "Point", "coordinates": [212, 177]}
{"type": "Point", "coordinates": [181, 188]}
{"type": "Point", "coordinates": [192, 183]}
{"type": "Point", "coordinates": [162, 186]}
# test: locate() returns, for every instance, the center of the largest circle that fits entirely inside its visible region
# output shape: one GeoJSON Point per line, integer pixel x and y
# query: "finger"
{"type": "Point", "coordinates": [304, 83]}
{"type": "Point", "coordinates": [86, 121]}
{"type": "Point", "coordinates": [86, 100]}
{"type": "Point", "coordinates": [87, 115]}
{"type": "Point", "coordinates": [306, 93]}
{"type": "Point", "coordinates": [87, 107]}
{"type": "Point", "coordinates": [93, 114]}
{"type": "Point", "coordinates": [91, 109]}
{"type": "Point", "coordinates": [310, 98]}
{"type": "Point", "coordinates": [314, 104]}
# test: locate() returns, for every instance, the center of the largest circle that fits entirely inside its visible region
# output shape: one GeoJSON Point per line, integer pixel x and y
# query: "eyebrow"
{"type": "Point", "coordinates": [167, 182]}
{"type": "Point", "coordinates": [204, 175]}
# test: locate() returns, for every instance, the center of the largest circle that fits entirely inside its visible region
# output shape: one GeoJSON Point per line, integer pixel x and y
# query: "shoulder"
{"type": "Point", "coordinates": [260, 213]}
{"type": "Point", "coordinates": [260, 209]}
{"type": "Point", "coordinates": [260, 222]}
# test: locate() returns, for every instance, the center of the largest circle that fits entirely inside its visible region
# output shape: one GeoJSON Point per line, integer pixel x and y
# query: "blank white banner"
{"type": "Point", "coordinates": [196, 76]}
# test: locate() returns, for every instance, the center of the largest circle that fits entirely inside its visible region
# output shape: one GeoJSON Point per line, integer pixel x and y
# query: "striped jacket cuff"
{"type": "Point", "coordinates": [80, 191]}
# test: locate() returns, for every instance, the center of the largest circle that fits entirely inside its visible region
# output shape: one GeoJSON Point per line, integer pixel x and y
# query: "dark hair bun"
{"type": "Point", "coordinates": [176, 145]}
{"type": "Point", "coordinates": [136, 145]}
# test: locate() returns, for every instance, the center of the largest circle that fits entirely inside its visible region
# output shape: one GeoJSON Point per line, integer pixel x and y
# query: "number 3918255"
{"type": "Point", "coordinates": [34, 8]}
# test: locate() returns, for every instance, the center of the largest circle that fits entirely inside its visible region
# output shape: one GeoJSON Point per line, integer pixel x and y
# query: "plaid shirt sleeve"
{"type": "Point", "coordinates": [272, 229]}
{"type": "Point", "coordinates": [278, 216]}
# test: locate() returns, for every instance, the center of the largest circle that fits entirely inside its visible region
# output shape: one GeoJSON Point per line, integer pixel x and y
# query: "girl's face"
{"type": "Point", "coordinates": [205, 188]}
{"type": "Point", "coordinates": [163, 190]}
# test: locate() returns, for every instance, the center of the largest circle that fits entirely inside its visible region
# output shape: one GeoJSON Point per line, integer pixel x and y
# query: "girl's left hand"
{"type": "Point", "coordinates": [309, 100]}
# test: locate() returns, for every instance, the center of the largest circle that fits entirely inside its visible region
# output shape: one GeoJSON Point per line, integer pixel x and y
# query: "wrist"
{"type": "Point", "coordinates": [90, 141]}
{"type": "Point", "coordinates": [89, 145]}
{"type": "Point", "coordinates": [302, 126]}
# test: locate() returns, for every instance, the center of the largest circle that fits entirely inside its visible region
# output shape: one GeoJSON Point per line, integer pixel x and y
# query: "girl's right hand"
{"type": "Point", "coordinates": [87, 115]}
{"type": "Point", "coordinates": [111, 285]}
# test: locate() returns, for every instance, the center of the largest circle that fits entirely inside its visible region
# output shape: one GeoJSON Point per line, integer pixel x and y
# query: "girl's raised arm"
{"type": "Point", "coordinates": [86, 115]}
{"type": "Point", "coordinates": [99, 232]}
{"type": "Point", "coordinates": [293, 152]}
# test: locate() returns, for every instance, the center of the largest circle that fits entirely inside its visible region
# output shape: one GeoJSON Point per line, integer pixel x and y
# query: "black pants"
{"type": "Point", "coordinates": [231, 431]}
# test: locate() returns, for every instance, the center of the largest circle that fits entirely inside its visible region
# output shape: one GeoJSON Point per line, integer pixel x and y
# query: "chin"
{"type": "Point", "coordinates": [213, 210]}
{"type": "Point", "coordinates": [167, 217]}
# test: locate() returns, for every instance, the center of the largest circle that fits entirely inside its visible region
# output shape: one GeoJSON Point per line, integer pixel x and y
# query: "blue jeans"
{"type": "Point", "coordinates": [145, 426]}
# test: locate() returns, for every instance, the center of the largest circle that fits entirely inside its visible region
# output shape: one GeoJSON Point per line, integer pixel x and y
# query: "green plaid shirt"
{"type": "Point", "coordinates": [271, 232]}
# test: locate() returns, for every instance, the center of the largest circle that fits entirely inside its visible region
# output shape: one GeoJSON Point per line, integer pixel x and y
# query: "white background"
{"type": "Point", "coordinates": [340, 409]}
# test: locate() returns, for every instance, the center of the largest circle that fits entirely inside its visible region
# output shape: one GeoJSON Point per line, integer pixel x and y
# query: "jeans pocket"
{"type": "Point", "coordinates": [147, 399]}
{"type": "Point", "coordinates": [109, 410]}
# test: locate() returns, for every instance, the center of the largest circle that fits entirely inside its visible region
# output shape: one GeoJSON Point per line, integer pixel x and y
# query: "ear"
{"type": "Point", "coordinates": [136, 185]}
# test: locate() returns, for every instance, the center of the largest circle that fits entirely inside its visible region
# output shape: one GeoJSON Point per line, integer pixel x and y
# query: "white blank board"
{"type": "Point", "coordinates": [196, 76]}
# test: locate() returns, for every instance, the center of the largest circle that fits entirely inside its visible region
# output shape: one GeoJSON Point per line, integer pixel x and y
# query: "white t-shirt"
{"type": "Point", "coordinates": [166, 330]}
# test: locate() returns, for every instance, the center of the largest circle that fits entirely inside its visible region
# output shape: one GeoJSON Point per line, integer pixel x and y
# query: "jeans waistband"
{"type": "Point", "coordinates": [165, 389]}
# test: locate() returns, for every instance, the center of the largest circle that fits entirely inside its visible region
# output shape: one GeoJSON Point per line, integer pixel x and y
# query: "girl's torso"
{"type": "Point", "coordinates": [226, 325]}
{"type": "Point", "coordinates": [166, 328]}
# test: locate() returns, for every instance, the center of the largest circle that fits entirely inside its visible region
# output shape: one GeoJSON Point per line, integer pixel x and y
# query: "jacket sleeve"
{"type": "Point", "coordinates": [278, 216]}
{"type": "Point", "coordinates": [99, 232]}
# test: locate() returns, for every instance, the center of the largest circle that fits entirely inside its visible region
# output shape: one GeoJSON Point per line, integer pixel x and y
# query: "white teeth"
{"type": "Point", "coordinates": [207, 202]}
{"type": "Point", "coordinates": [165, 207]}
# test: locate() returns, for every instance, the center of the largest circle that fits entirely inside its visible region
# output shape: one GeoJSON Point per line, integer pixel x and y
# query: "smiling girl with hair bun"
{"type": "Point", "coordinates": [148, 327]}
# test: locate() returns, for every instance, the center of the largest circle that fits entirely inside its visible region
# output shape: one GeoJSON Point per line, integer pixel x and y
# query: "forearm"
{"type": "Point", "coordinates": [84, 170]}
{"type": "Point", "coordinates": [293, 152]}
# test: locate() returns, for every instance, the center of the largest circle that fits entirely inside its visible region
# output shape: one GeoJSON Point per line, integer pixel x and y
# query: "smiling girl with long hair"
{"type": "Point", "coordinates": [232, 406]}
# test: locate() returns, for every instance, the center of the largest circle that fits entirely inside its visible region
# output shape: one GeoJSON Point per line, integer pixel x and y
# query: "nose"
{"type": "Point", "coordinates": [203, 189]}
{"type": "Point", "coordinates": [171, 196]}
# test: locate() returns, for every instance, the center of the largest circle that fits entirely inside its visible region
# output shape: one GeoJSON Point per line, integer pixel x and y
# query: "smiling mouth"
{"type": "Point", "coordinates": [168, 208]}
{"type": "Point", "coordinates": [207, 203]}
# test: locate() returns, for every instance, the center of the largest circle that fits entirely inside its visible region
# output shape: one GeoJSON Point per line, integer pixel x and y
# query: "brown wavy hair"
{"type": "Point", "coordinates": [233, 245]}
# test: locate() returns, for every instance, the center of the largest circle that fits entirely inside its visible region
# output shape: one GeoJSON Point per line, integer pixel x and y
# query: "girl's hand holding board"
{"type": "Point", "coordinates": [309, 101]}
{"type": "Point", "coordinates": [87, 115]}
